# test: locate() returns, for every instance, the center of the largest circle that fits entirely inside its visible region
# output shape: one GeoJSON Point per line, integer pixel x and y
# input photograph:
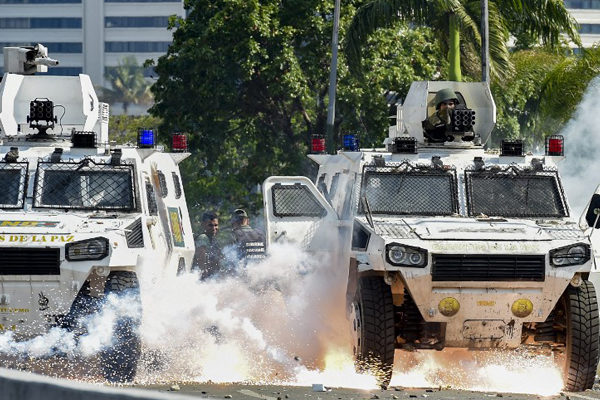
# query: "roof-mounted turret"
{"type": "Point", "coordinates": [420, 103]}
{"type": "Point", "coordinates": [27, 60]}
{"type": "Point", "coordinates": [43, 107]}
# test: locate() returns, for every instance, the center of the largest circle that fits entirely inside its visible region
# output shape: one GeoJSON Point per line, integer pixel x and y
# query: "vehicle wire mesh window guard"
{"type": "Point", "coordinates": [13, 180]}
{"type": "Point", "coordinates": [515, 193]}
{"type": "Point", "coordinates": [85, 185]}
{"type": "Point", "coordinates": [162, 184]}
{"type": "Point", "coordinates": [151, 197]}
{"type": "Point", "coordinates": [177, 185]}
{"type": "Point", "coordinates": [407, 190]}
{"type": "Point", "coordinates": [295, 201]}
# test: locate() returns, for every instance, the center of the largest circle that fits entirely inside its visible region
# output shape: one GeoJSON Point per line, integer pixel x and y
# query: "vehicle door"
{"type": "Point", "coordinates": [295, 211]}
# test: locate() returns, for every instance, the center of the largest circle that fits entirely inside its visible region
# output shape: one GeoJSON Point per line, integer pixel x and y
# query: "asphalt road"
{"type": "Point", "coordinates": [60, 369]}
{"type": "Point", "coordinates": [252, 392]}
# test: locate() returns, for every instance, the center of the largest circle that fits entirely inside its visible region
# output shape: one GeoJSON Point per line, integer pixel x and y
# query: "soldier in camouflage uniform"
{"type": "Point", "coordinates": [436, 126]}
{"type": "Point", "coordinates": [208, 255]}
{"type": "Point", "coordinates": [250, 242]}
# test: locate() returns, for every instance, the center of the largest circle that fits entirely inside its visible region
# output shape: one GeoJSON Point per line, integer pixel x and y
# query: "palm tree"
{"type": "Point", "coordinates": [128, 85]}
{"type": "Point", "coordinates": [563, 88]}
{"type": "Point", "coordinates": [542, 20]}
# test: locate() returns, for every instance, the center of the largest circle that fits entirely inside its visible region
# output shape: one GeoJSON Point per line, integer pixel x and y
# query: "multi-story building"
{"type": "Point", "coordinates": [587, 14]}
{"type": "Point", "coordinates": [89, 36]}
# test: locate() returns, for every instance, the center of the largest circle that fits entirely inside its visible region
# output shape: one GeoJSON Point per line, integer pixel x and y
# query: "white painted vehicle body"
{"type": "Point", "coordinates": [484, 318]}
{"type": "Point", "coordinates": [148, 226]}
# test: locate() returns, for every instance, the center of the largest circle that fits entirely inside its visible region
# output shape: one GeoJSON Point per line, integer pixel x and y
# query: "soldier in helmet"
{"type": "Point", "coordinates": [250, 242]}
{"type": "Point", "coordinates": [436, 126]}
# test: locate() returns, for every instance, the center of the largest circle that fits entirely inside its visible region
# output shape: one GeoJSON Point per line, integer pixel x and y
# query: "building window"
{"type": "Point", "coordinates": [64, 47]}
{"type": "Point", "coordinates": [582, 4]}
{"type": "Point", "coordinates": [64, 71]}
{"type": "Point", "coordinates": [61, 71]}
{"type": "Point", "coordinates": [136, 22]}
{"type": "Point", "coordinates": [149, 72]}
{"type": "Point", "coordinates": [136, 47]}
{"type": "Point", "coordinates": [40, 23]}
{"type": "Point", "coordinates": [142, 1]}
{"type": "Point", "coordinates": [589, 28]}
{"type": "Point", "coordinates": [39, 1]}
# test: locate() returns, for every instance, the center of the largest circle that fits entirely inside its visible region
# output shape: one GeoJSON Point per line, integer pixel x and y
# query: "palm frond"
{"type": "Point", "coordinates": [380, 14]}
{"type": "Point", "coordinates": [543, 19]}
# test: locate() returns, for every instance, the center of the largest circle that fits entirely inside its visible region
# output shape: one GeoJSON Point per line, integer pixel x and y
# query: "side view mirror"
{"type": "Point", "coordinates": [592, 215]}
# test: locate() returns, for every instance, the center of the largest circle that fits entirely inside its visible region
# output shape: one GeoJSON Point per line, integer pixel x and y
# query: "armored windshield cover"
{"type": "Point", "coordinates": [13, 178]}
{"type": "Point", "coordinates": [404, 189]}
{"type": "Point", "coordinates": [85, 185]}
{"type": "Point", "coordinates": [513, 192]}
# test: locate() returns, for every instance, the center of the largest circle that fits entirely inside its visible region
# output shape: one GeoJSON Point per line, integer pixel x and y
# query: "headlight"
{"type": "Point", "coordinates": [89, 249]}
{"type": "Point", "coordinates": [575, 254]}
{"type": "Point", "coordinates": [406, 256]}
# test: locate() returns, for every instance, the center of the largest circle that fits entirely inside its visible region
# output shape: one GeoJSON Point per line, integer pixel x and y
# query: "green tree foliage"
{"type": "Point", "coordinates": [517, 98]}
{"type": "Point", "coordinates": [537, 20]}
{"type": "Point", "coordinates": [543, 93]}
{"type": "Point", "coordinates": [123, 129]}
{"type": "Point", "coordinates": [128, 85]}
{"type": "Point", "coordinates": [248, 80]}
{"type": "Point", "coordinates": [394, 58]}
{"type": "Point", "coordinates": [565, 85]}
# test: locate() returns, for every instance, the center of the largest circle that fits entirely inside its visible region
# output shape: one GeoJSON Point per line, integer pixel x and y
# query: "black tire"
{"type": "Point", "coordinates": [120, 361]}
{"type": "Point", "coordinates": [372, 312]}
{"type": "Point", "coordinates": [83, 306]}
{"type": "Point", "coordinates": [580, 308]}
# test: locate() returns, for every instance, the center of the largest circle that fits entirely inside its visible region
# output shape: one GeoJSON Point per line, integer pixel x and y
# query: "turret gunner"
{"type": "Point", "coordinates": [436, 126]}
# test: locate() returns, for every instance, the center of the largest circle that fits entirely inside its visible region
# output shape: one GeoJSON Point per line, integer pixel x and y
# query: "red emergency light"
{"type": "Point", "coordinates": [179, 142]}
{"type": "Point", "coordinates": [317, 144]}
{"type": "Point", "coordinates": [555, 145]}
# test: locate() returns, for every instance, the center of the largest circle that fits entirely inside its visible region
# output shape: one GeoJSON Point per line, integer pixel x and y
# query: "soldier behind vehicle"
{"type": "Point", "coordinates": [208, 257]}
{"type": "Point", "coordinates": [250, 242]}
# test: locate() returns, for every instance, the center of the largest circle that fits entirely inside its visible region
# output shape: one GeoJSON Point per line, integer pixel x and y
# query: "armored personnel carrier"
{"type": "Point", "coordinates": [447, 244]}
{"type": "Point", "coordinates": [80, 216]}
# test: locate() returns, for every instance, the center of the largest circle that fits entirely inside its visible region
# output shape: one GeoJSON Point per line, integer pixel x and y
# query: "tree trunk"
{"type": "Point", "coordinates": [454, 50]}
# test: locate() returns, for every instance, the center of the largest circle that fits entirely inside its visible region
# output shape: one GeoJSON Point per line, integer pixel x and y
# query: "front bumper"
{"type": "Point", "coordinates": [487, 299]}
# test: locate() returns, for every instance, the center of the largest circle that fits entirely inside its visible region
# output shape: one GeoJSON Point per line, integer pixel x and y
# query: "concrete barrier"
{"type": "Point", "coordinates": [18, 385]}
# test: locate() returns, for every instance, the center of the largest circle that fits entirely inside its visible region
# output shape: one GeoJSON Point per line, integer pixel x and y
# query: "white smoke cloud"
{"type": "Point", "coordinates": [580, 168]}
{"type": "Point", "coordinates": [256, 326]}
{"type": "Point", "coordinates": [270, 322]}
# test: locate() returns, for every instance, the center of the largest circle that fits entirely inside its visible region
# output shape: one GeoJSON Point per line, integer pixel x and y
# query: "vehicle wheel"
{"type": "Point", "coordinates": [581, 323]}
{"type": "Point", "coordinates": [119, 361]}
{"type": "Point", "coordinates": [372, 324]}
{"type": "Point", "coordinates": [83, 306]}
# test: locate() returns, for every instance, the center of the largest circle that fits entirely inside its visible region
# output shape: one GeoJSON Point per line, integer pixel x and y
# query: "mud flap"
{"type": "Point", "coordinates": [295, 211]}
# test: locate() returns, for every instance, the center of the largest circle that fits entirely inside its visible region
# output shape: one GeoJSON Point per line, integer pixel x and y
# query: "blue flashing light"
{"type": "Point", "coordinates": [146, 138]}
{"type": "Point", "coordinates": [351, 143]}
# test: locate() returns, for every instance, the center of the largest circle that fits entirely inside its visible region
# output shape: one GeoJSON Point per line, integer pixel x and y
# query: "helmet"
{"type": "Point", "coordinates": [238, 215]}
{"type": "Point", "coordinates": [445, 95]}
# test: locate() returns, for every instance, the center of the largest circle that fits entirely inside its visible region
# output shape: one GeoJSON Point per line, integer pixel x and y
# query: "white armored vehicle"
{"type": "Point", "coordinates": [448, 245]}
{"type": "Point", "coordinates": [79, 217]}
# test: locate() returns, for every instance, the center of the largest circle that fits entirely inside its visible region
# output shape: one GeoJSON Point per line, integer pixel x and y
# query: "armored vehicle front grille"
{"type": "Point", "coordinates": [487, 267]}
{"type": "Point", "coordinates": [29, 261]}
{"type": "Point", "coordinates": [134, 234]}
